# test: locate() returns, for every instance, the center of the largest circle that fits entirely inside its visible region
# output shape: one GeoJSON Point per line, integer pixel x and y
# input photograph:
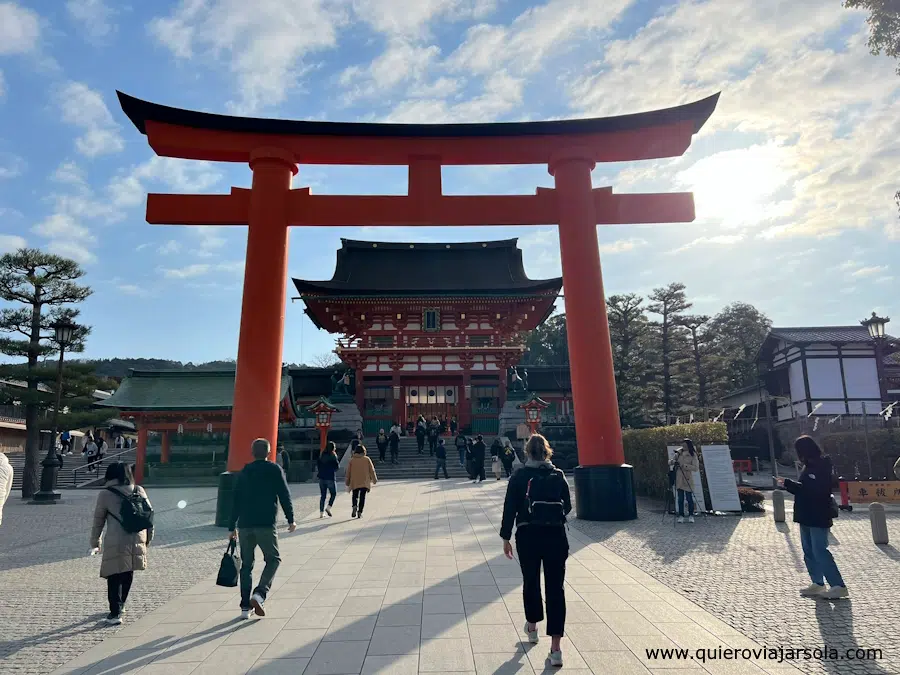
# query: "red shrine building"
{"type": "Point", "coordinates": [429, 329]}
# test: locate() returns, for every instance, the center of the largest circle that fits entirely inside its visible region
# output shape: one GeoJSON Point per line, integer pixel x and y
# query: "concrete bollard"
{"type": "Point", "coordinates": [879, 523]}
{"type": "Point", "coordinates": [778, 505]}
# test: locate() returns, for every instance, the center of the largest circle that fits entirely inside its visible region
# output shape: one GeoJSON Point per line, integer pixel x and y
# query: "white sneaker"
{"type": "Point", "coordinates": [679, 519]}
{"type": "Point", "coordinates": [532, 634]}
{"type": "Point", "coordinates": [690, 519]}
{"type": "Point", "coordinates": [836, 592]}
{"type": "Point", "coordinates": [257, 602]}
{"type": "Point", "coordinates": [813, 590]}
{"type": "Point", "coordinates": [555, 658]}
{"type": "Point", "coordinates": [321, 514]}
{"type": "Point", "coordinates": [328, 511]}
{"type": "Point", "coordinates": [113, 620]}
{"type": "Point", "coordinates": [245, 614]}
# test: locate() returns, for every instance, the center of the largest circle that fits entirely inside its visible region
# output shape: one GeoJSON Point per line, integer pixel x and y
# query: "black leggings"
{"type": "Point", "coordinates": [117, 587]}
{"type": "Point", "coordinates": [359, 496]}
{"type": "Point", "coordinates": [536, 544]}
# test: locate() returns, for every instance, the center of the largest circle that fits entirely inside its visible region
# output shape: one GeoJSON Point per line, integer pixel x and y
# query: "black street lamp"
{"type": "Point", "coordinates": [875, 325]}
{"type": "Point", "coordinates": [64, 330]}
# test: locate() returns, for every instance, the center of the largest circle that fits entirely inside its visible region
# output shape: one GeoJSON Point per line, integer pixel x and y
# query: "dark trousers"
{"type": "Point", "coordinates": [462, 456]}
{"type": "Point", "coordinates": [359, 499]}
{"type": "Point", "coordinates": [326, 486]}
{"type": "Point", "coordinates": [548, 545]}
{"type": "Point", "coordinates": [507, 467]}
{"type": "Point", "coordinates": [267, 540]}
{"type": "Point", "coordinates": [382, 450]}
{"type": "Point", "coordinates": [420, 441]}
{"type": "Point", "coordinates": [478, 468]}
{"type": "Point", "coordinates": [690, 500]}
{"type": "Point", "coordinates": [117, 587]}
{"type": "Point", "coordinates": [441, 464]}
{"type": "Point", "coordinates": [432, 444]}
{"type": "Point", "coordinates": [395, 450]}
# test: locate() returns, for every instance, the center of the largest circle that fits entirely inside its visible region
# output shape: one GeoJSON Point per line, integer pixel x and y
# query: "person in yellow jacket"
{"type": "Point", "coordinates": [359, 479]}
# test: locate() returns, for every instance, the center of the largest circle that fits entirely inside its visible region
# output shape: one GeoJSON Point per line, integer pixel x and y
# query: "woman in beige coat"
{"type": "Point", "coordinates": [685, 463]}
{"type": "Point", "coordinates": [360, 478]}
{"type": "Point", "coordinates": [123, 552]}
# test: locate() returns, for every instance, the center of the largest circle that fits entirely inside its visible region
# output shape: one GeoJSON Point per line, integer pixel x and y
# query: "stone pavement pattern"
{"type": "Point", "coordinates": [51, 595]}
{"type": "Point", "coordinates": [419, 585]}
{"type": "Point", "coordinates": [747, 572]}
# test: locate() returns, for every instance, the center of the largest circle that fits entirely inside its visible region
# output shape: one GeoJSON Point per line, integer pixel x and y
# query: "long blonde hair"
{"type": "Point", "coordinates": [538, 448]}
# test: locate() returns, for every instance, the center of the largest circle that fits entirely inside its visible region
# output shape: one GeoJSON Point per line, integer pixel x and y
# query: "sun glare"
{"type": "Point", "coordinates": [737, 187]}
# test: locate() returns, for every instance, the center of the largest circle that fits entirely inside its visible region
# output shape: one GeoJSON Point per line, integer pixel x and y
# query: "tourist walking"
{"type": "Point", "coordinates": [496, 449]}
{"type": "Point", "coordinates": [284, 460]}
{"type": "Point", "coordinates": [65, 439]}
{"type": "Point", "coordinates": [461, 449]}
{"type": "Point", "coordinates": [90, 454]}
{"type": "Point", "coordinates": [685, 463]}
{"type": "Point", "coordinates": [6, 477]}
{"type": "Point", "coordinates": [478, 451]}
{"type": "Point", "coordinates": [121, 508]}
{"type": "Point", "coordinates": [381, 440]}
{"type": "Point", "coordinates": [507, 457]}
{"type": "Point", "coordinates": [434, 431]}
{"type": "Point", "coordinates": [421, 432]}
{"type": "Point", "coordinates": [326, 467]}
{"type": "Point", "coordinates": [454, 426]}
{"type": "Point", "coordinates": [395, 427]}
{"type": "Point", "coordinates": [360, 479]}
{"type": "Point", "coordinates": [538, 501]}
{"type": "Point", "coordinates": [814, 510]}
{"type": "Point", "coordinates": [440, 461]}
{"type": "Point", "coordinates": [261, 486]}
{"type": "Point", "coordinates": [394, 442]}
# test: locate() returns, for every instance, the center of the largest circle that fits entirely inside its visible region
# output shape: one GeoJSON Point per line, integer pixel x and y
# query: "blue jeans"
{"type": "Point", "coordinates": [326, 486]}
{"type": "Point", "coordinates": [462, 456]}
{"type": "Point", "coordinates": [819, 561]}
{"type": "Point", "coordinates": [690, 498]}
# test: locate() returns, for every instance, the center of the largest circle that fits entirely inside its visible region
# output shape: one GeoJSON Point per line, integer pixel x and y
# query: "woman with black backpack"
{"type": "Point", "coordinates": [538, 501]}
{"type": "Point", "coordinates": [125, 512]}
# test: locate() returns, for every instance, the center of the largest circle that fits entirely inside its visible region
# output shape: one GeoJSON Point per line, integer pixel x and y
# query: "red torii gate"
{"type": "Point", "coordinates": [570, 149]}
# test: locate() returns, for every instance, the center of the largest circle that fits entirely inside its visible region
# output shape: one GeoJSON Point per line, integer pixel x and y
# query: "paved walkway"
{"type": "Point", "coordinates": [419, 585]}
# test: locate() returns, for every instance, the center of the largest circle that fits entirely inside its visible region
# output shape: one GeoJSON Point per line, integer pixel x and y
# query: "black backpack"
{"type": "Point", "coordinates": [544, 498]}
{"type": "Point", "coordinates": [135, 512]}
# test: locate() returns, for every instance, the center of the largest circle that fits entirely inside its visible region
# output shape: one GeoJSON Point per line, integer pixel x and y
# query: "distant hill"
{"type": "Point", "coordinates": [116, 369]}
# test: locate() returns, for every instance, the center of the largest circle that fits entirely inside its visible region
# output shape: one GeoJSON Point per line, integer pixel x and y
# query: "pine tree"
{"type": "Point", "coordinates": [38, 281]}
{"type": "Point", "coordinates": [629, 331]}
{"type": "Point", "coordinates": [670, 304]}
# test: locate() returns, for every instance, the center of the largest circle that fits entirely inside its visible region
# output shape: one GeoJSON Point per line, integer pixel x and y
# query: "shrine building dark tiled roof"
{"type": "Point", "coordinates": [367, 268]}
{"type": "Point", "coordinates": [828, 334]}
{"type": "Point", "coordinates": [158, 390]}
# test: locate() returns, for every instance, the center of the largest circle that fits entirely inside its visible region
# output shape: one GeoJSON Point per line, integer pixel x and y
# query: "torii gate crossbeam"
{"type": "Point", "coordinates": [570, 149]}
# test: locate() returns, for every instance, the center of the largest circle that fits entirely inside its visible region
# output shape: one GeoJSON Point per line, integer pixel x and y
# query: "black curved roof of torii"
{"type": "Point", "coordinates": [369, 268]}
{"type": "Point", "coordinates": [140, 112]}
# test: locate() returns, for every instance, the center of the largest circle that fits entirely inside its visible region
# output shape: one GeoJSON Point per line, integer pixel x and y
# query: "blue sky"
{"type": "Point", "coordinates": [793, 175]}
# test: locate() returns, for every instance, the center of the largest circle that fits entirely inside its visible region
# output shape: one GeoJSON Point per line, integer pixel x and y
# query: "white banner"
{"type": "Point", "coordinates": [720, 478]}
{"type": "Point", "coordinates": [699, 498]}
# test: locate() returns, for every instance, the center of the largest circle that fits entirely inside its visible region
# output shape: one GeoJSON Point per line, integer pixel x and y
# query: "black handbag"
{"type": "Point", "coordinates": [229, 568]}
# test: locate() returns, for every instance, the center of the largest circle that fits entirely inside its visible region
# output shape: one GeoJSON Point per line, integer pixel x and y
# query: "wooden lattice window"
{"type": "Point", "coordinates": [431, 319]}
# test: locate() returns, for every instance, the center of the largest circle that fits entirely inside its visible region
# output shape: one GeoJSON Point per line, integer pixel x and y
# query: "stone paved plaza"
{"type": "Point", "coordinates": [420, 585]}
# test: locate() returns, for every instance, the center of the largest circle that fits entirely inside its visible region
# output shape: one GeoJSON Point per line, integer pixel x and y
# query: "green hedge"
{"type": "Point", "coordinates": [645, 450]}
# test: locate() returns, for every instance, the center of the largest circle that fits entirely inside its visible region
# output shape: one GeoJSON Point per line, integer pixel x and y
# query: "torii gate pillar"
{"type": "Point", "coordinates": [604, 484]}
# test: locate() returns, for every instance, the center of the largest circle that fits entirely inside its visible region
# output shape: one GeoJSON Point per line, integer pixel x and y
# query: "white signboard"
{"type": "Point", "coordinates": [699, 498]}
{"type": "Point", "coordinates": [720, 478]}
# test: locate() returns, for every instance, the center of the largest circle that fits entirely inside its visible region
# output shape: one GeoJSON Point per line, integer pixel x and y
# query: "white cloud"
{"type": "Point", "coordinates": [621, 245]}
{"type": "Point", "coordinates": [265, 42]}
{"type": "Point", "coordinates": [717, 240]}
{"type": "Point", "coordinates": [129, 188]}
{"type": "Point", "coordinates": [11, 165]}
{"type": "Point", "coordinates": [69, 173]}
{"type": "Point", "coordinates": [93, 16]}
{"type": "Point", "coordinates": [501, 94]}
{"type": "Point", "coordinates": [11, 242]}
{"type": "Point", "coordinates": [827, 107]}
{"type": "Point", "coordinates": [62, 227]}
{"type": "Point", "coordinates": [412, 17]}
{"type": "Point", "coordinates": [169, 247]}
{"type": "Point", "coordinates": [201, 269]}
{"type": "Point", "coordinates": [848, 265]}
{"type": "Point", "coordinates": [72, 249]}
{"type": "Point", "coordinates": [84, 108]}
{"type": "Point", "coordinates": [401, 62]}
{"type": "Point", "coordinates": [19, 29]}
{"type": "Point", "coordinates": [869, 270]}
{"type": "Point", "coordinates": [133, 289]}
{"type": "Point", "coordinates": [884, 280]}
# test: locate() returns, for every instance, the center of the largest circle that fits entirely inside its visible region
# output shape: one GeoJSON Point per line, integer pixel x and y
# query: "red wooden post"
{"type": "Point", "coordinates": [141, 455]}
{"type": "Point", "coordinates": [165, 448]}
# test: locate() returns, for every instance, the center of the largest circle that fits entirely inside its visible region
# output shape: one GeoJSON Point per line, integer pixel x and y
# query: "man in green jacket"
{"type": "Point", "coordinates": [260, 487]}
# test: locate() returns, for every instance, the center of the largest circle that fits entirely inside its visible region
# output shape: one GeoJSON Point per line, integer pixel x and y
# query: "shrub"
{"type": "Point", "coordinates": [645, 450]}
{"type": "Point", "coordinates": [751, 500]}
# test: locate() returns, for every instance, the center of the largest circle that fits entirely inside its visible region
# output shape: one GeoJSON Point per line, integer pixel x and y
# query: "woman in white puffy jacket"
{"type": "Point", "coordinates": [6, 476]}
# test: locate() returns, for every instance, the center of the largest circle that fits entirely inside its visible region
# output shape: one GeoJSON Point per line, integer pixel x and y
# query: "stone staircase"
{"type": "Point", "coordinates": [74, 473]}
{"type": "Point", "coordinates": [413, 465]}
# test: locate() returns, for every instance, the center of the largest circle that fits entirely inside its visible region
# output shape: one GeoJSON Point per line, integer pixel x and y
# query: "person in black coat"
{"type": "Point", "coordinates": [813, 511]}
{"type": "Point", "coordinates": [421, 432]}
{"type": "Point", "coordinates": [538, 501]}
{"type": "Point", "coordinates": [394, 442]}
{"type": "Point", "coordinates": [478, 452]}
